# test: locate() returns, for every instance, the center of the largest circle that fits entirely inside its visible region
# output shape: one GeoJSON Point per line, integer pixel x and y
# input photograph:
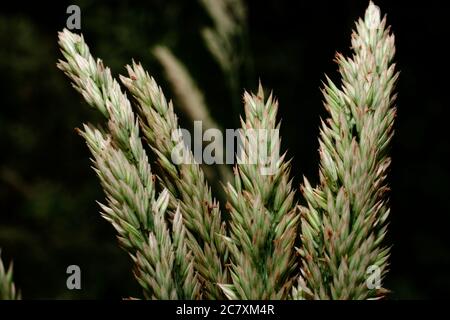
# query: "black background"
{"type": "Point", "coordinates": [48, 215]}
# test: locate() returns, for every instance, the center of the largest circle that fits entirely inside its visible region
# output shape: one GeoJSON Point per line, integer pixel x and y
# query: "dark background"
{"type": "Point", "coordinates": [48, 215]}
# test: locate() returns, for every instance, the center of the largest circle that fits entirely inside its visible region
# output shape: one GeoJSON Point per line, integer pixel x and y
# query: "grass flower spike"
{"type": "Point", "coordinates": [122, 166]}
{"type": "Point", "coordinates": [185, 181]}
{"type": "Point", "coordinates": [263, 215]}
{"type": "Point", "coordinates": [8, 290]}
{"type": "Point", "coordinates": [344, 223]}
